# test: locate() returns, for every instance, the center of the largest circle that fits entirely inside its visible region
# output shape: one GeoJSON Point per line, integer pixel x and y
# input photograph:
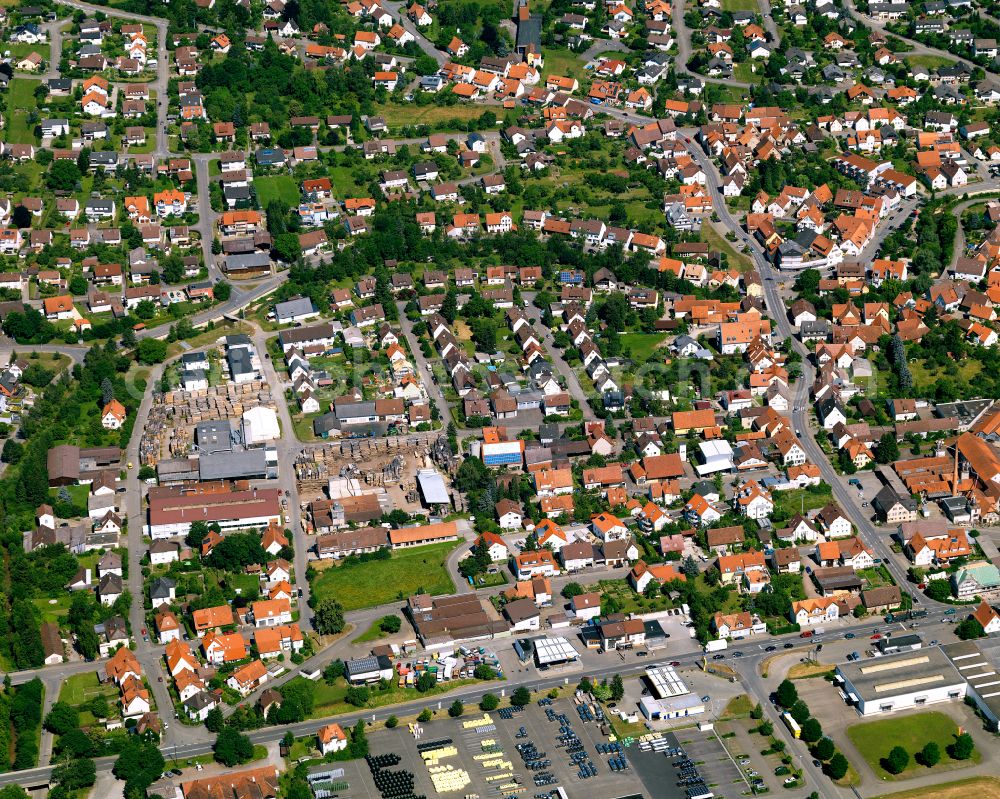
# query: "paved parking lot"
{"type": "Point", "coordinates": [469, 743]}
{"type": "Point", "coordinates": [715, 765]}
{"type": "Point", "coordinates": [651, 774]}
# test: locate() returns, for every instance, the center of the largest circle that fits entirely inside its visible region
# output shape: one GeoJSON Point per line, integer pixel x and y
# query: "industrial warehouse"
{"type": "Point", "coordinates": [901, 681]}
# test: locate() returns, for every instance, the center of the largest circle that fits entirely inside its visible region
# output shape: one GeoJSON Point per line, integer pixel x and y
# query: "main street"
{"type": "Point", "coordinates": [801, 409]}
{"type": "Point", "coordinates": [190, 742]}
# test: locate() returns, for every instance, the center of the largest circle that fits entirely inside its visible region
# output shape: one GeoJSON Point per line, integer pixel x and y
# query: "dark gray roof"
{"type": "Point", "coordinates": [241, 465]}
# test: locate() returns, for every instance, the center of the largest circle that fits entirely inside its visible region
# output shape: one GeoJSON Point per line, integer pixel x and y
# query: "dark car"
{"type": "Point", "coordinates": [718, 657]}
{"type": "Point", "coordinates": [788, 645]}
{"type": "Point", "coordinates": [737, 654]}
{"type": "Point", "coordinates": [849, 636]}
{"type": "Point", "coordinates": [770, 648]}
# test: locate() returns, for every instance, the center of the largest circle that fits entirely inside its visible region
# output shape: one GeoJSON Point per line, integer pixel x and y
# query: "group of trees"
{"type": "Point", "coordinates": [823, 748]}
{"type": "Point", "coordinates": [140, 763]}
{"type": "Point", "coordinates": [231, 747]}
{"type": "Point", "coordinates": [898, 758]}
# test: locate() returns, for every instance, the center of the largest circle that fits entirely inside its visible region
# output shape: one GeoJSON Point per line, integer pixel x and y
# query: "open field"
{"type": "Point", "coordinates": [929, 61]}
{"type": "Point", "coordinates": [642, 345]}
{"type": "Point", "coordinates": [744, 72]}
{"type": "Point", "coordinates": [400, 114]}
{"type": "Point", "coordinates": [739, 707]}
{"type": "Point", "coordinates": [981, 787]}
{"type": "Point", "coordinates": [740, 5]}
{"type": "Point", "coordinates": [407, 572]}
{"type": "Point", "coordinates": [277, 187]}
{"type": "Point", "coordinates": [874, 739]}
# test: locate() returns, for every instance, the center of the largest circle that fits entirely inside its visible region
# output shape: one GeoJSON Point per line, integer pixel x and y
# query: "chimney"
{"type": "Point", "coordinates": [954, 485]}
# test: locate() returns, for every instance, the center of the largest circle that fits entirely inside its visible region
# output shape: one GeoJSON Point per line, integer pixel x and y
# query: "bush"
{"type": "Point", "coordinates": [963, 747]}
{"type": "Point", "coordinates": [930, 755]}
{"type": "Point", "coordinates": [357, 695]}
{"type": "Point", "coordinates": [897, 760]}
{"type": "Point", "coordinates": [787, 694]}
{"type": "Point", "coordinates": [521, 697]}
{"type": "Point", "coordinates": [232, 747]}
{"type": "Point", "coordinates": [391, 722]}
{"type": "Point", "coordinates": [484, 672]}
{"type": "Point", "coordinates": [824, 749]}
{"type": "Point", "coordinates": [812, 731]}
{"type": "Point", "coordinates": [457, 709]}
{"type": "Point", "coordinates": [836, 769]}
{"type": "Point", "coordinates": [489, 702]}
{"type": "Point", "coordinates": [390, 624]}
{"type": "Point", "coordinates": [425, 715]}
{"type": "Point", "coordinates": [800, 711]}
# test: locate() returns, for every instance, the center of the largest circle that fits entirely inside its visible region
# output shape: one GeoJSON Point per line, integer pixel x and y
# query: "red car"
{"type": "Point", "coordinates": [806, 634]}
{"type": "Point", "coordinates": [877, 636]}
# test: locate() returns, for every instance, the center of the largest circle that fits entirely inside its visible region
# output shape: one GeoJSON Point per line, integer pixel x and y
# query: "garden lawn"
{"type": "Point", "coordinates": [564, 63]}
{"type": "Point", "coordinates": [52, 609]}
{"type": "Point", "coordinates": [641, 345]}
{"type": "Point", "coordinates": [740, 5]}
{"type": "Point", "coordinates": [799, 500]}
{"type": "Point", "coordinates": [277, 187]}
{"type": "Point", "coordinates": [378, 582]}
{"type": "Point", "coordinates": [874, 739]}
{"type": "Point", "coordinates": [737, 260]}
{"type": "Point", "coordinates": [20, 103]}
{"type": "Point", "coordinates": [80, 688]}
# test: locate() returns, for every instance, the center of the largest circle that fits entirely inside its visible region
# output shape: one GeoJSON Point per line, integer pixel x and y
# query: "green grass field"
{"type": "Point", "coordinates": [52, 609]}
{"type": "Point", "coordinates": [743, 72]}
{"type": "Point", "coordinates": [799, 500]}
{"type": "Point", "coordinates": [874, 739]}
{"type": "Point", "coordinates": [277, 187]}
{"type": "Point", "coordinates": [925, 379]}
{"type": "Point", "coordinates": [20, 103]}
{"type": "Point", "coordinates": [929, 62]}
{"type": "Point", "coordinates": [740, 5]}
{"type": "Point", "coordinates": [80, 688]}
{"type": "Point", "coordinates": [981, 787]}
{"type": "Point", "coordinates": [641, 345]}
{"type": "Point", "coordinates": [408, 571]}
{"type": "Point", "coordinates": [373, 633]}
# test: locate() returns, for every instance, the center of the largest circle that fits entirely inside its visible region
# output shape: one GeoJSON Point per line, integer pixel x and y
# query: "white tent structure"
{"type": "Point", "coordinates": [260, 425]}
